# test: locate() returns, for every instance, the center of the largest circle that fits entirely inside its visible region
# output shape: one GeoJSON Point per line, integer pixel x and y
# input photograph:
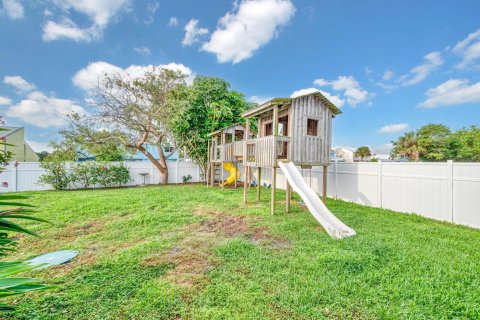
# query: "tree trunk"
{"type": "Point", "coordinates": [162, 167]}
{"type": "Point", "coordinates": [163, 163]}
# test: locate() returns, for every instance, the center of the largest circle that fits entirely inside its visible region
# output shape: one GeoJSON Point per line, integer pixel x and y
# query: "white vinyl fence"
{"type": "Point", "coordinates": [25, 176]}
{"type": "Point", "coordinates": [443, 191]}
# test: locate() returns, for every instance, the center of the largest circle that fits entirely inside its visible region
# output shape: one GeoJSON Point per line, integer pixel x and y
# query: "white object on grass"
{"type": "Point", "coordinates": [334, 227]}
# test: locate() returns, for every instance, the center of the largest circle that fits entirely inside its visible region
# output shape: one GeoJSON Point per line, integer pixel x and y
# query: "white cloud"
{"type": "Point", "coordinates": [432, 61]}
{"type": "Point", "coordinates": [4, 101]}
{"type": "Point", "coordinates": [393, 128]}
{"type": "Point", "coordinates": [19, 83]}
{"type": "Point", "coordinates": [145, 51]}
{"type": "Point", "coordinates": [388, 75]}
{"type": "Point", "coordinates": [152, 8]}
{"type": "Point", "coordinates": [259, 99]}
{"type": "Point", "coordinates": [336, 100]}
{"type": "Point", "coordinates": [40, 146]}
{"type": "Point", "coordinates": [43, 111]}
{"type": "Point", "coordinates": [468, 49]}
{"type": "Point", "coordinates": [368, 70]}
{"type": "Point", "coordinates": [352, 92]}
{"type": "Point", "coordinates": [173, 22]}
{"type": "Point", "coordinates": [13, 8]}
{"type": "Point", "coordinates": [193, 33]}
{"type": "Point", "coordinates": [452, 92]}
{"type": "Point", "coordinates": [252, 24]}
{"type": "Point", "coordinates": [67, 29]}
{"type": "Point", "coordinates": [89, 77]}
{"type": "Point", "coordinates": [100, 12]}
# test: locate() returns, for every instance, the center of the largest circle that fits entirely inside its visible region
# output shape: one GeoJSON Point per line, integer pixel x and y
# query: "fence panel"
{"type": "Point", "coordinates": [443, 191]}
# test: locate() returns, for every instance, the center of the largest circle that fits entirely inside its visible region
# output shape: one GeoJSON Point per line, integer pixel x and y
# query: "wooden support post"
{"type": "Point", "coordinates": [274, 169]}
{"type": "Point", "coordinates": [259, 179]}
{"type": "Point", "coordinates": [324, 187]}
{"type": "Point", "coordinates": [221, 172]}
{"type": "Point", "coordinates": [245, 184]}
{"type": "Point", "coordinates": [212, 174]}
{"type": "Point", "coordinates": [274, 186]}
{"type": "Point", "coordinates": [289, 197]}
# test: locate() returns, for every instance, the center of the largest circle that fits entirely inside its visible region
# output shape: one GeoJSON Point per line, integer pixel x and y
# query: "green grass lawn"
{"type": "Point", "coordinates": [193, 252]}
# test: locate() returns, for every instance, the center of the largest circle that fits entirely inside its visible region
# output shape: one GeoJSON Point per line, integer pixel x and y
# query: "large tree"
{"type": "Point", "coordinates": [132, 112]}
{"type": "Point", "coordinates": [433, 142]}
{"type": "Point", "coordinates": [466, 144]}
{"type": "Point", "coordinates": [207, 105]}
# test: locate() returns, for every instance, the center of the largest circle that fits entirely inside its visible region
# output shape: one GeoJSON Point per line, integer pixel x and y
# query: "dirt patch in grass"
{"type": "Point", "coordinates": [75, 231]}
{"type": "Point", "coordinates": [193, 256]}
{"type": "Point", "coordinates": [261, 235]}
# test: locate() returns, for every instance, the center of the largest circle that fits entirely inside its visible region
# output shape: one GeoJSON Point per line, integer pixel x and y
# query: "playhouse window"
{"type": "Point", "coordinates": [312, 127]}
{"type": "Point", "coordinates": [268, 129]}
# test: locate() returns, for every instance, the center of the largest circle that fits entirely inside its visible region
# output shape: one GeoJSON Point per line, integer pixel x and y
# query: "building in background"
{"type": "Point", "coordinates": [22, 152]}
{"type": "Point", "coordinates": [344, 154]}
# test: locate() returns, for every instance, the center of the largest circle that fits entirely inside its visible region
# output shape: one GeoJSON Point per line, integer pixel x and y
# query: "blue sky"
{"type": "Point", "coordinates": [391, 66]}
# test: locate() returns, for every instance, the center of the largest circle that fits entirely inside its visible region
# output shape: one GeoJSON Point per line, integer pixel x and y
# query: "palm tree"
{"type": "Point", "coordinates": [363, 152]}
{"type": "Point", "coordinates": [407, 146]}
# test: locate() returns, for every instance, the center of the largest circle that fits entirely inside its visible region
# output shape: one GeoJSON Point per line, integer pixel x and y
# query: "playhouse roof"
{"type": "Point", "coordinates": [285, 101]}
{"type": "Point", "coordinates": [226, 128]}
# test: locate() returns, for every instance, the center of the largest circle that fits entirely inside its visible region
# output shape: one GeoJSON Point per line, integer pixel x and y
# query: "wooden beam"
{"type": "Point", "coordinates": [289, 197]}
{"type": "Point", "coordinates": [324, 187]}
{"type": "Point", "coordinates": [245, 182]}
{"type": "Point", "coordinates": [259, 179]}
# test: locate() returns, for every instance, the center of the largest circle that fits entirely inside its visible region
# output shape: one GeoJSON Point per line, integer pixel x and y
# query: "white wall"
{"type": "Point", "coordinates": [25, 176]}
{"type": "Point", "coordinates": [443, 191]}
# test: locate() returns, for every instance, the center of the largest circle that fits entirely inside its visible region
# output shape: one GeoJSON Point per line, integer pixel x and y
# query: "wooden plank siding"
{"type": "Point", "coordinates": [306, 149]}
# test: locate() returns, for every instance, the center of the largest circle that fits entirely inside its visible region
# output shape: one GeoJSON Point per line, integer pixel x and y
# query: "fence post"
{"type": "Point", "coordinates": [176, 171]}
{"type": "Point", "coordinates": [15, 177]}
{"type": "Point", "coordinates": [450, 189]}
{"type": "Point", "coordinates": [335, 179]}
{"type": "Point", "coordinates": [379, 184]}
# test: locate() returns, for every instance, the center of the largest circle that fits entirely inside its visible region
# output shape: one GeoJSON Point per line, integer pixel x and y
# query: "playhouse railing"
{"type": "Point", "coordinates": [266, 151]}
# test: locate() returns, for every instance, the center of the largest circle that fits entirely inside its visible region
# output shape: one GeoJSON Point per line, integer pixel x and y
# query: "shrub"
{"type": "Point", "coordinates": [56, 174]}
{"type": "Point", "coordinates": [83, 174]}
{"type": "Point", "coordinates": [186, 178]}
{"type": "Point", "coordinates": [120, 175]}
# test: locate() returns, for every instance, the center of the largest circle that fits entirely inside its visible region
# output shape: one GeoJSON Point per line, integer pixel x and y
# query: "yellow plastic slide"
{"type": "Point", "coordinates": [230, 167]}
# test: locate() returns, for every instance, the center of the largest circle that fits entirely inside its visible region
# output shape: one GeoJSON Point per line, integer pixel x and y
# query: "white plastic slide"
{"type": "Point", "coordinates": [334, 227]}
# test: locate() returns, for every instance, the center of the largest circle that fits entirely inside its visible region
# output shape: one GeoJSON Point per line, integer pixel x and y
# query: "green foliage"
{"type": "Point", "coordinates": [406, 147]}
{"type": "Point", "coordinates": [62, 151]}
{"type": "Point", "coordinates": [12, 210]}
{"type": "Point", "coordinates": [42, 155]}
{"type": "Point", "coordinates": [465, 144]}
{"type": "Point", "coordinates": [205, 106]}
{"type": "Point", "coordinates": [186, 178]}
{"type": "Point", "coordinates": [108, 175]}
{"type": "Point", "coordinates": [56, 174]}
{"type": "Point", "coordinates": [435, 142]}
{"type": "Point", "coordinates": [61, 175]}
{"type": "Point", "coordinates": [363, 152]}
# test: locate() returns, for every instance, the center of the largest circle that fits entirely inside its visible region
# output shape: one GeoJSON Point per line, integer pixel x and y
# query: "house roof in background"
{"type": "Point", "coordinates": [6, 131]}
